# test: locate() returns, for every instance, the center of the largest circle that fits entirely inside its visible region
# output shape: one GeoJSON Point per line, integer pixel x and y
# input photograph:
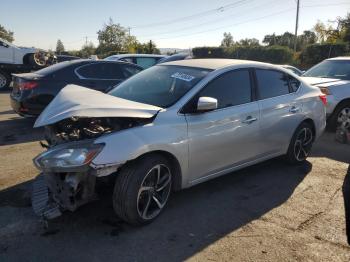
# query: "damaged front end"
{"type": "Point", "coordinates": [73, 121]}
{"type": "Point", "coordinates": [68, 177]}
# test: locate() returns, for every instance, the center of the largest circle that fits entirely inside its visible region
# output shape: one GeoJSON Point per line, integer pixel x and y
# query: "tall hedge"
{"type": "Point", "coordinates": [315, 53]}
{"type": "Point", "coordinates": [272, 54]}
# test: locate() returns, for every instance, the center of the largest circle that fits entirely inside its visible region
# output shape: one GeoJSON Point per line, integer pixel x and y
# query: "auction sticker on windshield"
{"type": "Point", "coordinates": [183, 76]}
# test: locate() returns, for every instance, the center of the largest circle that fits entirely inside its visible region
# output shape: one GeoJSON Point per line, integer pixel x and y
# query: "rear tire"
{"type": "Point", "coordinates": [142, 189]}
{"type": "Point", "coordinates": [339, 117]}
{"type": "Point", "coordinates": [5, 80]}
{"type": "Point", "coordinates": [301, 144]}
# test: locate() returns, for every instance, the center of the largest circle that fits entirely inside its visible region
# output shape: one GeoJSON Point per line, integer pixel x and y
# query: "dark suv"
{"type": "Point", "coordinates": [32, 92]}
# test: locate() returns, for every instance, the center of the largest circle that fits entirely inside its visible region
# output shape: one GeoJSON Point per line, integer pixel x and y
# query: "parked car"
{"type": "Point", "coordinates": [32, 92]}
{"type": "Point", "coordinates": [143, 60]}
{"type": "Point", "coordinates": [332, 76]}
{"type": "Point", "coordinates": [175, 57]}
{"type": "Point", "coordinates": [170, 127]}
{"type": "Point", "coordinates": [293, 69]}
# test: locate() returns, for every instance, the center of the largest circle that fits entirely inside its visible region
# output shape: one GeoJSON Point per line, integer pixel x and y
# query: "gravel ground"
{"type": "Point", "coordinates": [268, 212]}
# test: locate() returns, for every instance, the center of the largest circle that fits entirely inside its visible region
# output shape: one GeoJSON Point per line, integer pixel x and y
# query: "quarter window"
{"type": "Point", "coordinates": [272, 83]}
{"type": "Point", "coordinates": [294, 84]}
{"type": "Point", "coordinates": [230, 89]}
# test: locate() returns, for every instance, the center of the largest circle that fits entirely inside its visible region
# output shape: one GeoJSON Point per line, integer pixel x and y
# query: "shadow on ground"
{"type": "Point", "coordinates": [194, 219]}
{"type": "Point", "coordinates": [19, 130]}
{"type": "Point", "coordinates": [338, 151]}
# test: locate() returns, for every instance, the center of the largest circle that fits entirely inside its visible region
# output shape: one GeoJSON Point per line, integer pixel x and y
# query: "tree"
{"type": "Point", "coordinates": [227, 41]}
{"type": "Point", "coordinates": [6, 34]}
{"type": "Point", "coordinates": [112, 37]}
{"type": "Point", "coordinates": [249, 42]}
{"type": "Point", "coordinates": [87, 50]}
{"type": "Point", "coordinates": [59, 47]}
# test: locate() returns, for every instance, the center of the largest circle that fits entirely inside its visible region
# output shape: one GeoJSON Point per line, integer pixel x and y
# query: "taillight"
{"type": "Point", "coordinates": [29, 85]}
{"type": "Point", "coordinates": [323, 99]}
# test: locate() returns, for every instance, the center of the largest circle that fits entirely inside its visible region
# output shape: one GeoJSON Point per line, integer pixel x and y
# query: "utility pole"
{"type": "Point", "coordinates": [129, 28]}
{"type": "Point", "coordinates": [86, 38]}
{"type": "Point", "coordinates": [296, 28]}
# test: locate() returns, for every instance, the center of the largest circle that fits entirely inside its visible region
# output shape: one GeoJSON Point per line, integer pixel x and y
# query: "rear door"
{"type": "Point", "coordinates": [228, 136]}
{"type": "Point", "coordinates": [100, 76]}
{"type": "Point", "coordinates": [280, 111]}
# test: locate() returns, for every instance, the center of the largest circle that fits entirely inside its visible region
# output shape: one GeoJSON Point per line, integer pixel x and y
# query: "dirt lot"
{"type": "Point", "coordinates": [269, 212]}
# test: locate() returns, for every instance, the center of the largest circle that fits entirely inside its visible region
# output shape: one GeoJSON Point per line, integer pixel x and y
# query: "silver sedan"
{"type": "Point", "coordinates": [170, 127]}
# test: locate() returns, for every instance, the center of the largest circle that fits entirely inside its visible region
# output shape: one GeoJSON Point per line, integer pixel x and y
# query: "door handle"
{"type": "Point", "coordinates": [294, 109]}
{"type": "Point", "coordinates": [249, 120]}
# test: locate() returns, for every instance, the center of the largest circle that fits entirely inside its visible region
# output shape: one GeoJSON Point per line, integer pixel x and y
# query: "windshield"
{"type": "Point", "coordinates": [160, 85]}
{"type": "Point", "coordinates": [339, 69]}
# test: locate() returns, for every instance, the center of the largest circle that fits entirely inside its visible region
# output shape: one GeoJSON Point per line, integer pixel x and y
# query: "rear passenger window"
{"type": "Point", "coordinates": [230, 89]}
{"type": "Point", "coordinates": [101, 71]}
{"type": "Point", "coordinates": [272, 83]}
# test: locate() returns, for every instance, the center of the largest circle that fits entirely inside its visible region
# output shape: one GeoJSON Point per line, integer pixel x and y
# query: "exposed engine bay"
{"type": "Point", "coordinates": [80, 128]}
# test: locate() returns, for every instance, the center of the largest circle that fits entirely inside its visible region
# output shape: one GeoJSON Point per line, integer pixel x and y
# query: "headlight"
{"type": "Point", "coordinates": [68, 157]}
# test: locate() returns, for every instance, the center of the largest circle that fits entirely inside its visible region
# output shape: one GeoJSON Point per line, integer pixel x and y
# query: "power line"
{"type": "Point", "coordinates": [247, 21]}
{"type": "Point", "coordinates": [208, 22]}
{"type": "Point", "coordinates": [201, 14]}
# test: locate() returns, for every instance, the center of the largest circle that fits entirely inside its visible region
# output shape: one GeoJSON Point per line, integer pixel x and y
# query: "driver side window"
{"type": "Point", "coordinates": [230, 89]}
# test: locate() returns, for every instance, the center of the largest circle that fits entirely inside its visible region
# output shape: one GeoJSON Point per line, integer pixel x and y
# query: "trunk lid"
{"type": "Point", "coordinates": [78, 101]}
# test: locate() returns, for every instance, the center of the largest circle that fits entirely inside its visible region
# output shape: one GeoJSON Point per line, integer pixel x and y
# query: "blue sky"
{"type": "Point", "coordinates": [40, 23]}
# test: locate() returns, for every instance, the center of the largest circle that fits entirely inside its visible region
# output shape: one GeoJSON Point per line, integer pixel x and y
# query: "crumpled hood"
{"type": "Point", "coordinates": [78, 101]}
{"type": "Point", "coordinates": [319, 81]}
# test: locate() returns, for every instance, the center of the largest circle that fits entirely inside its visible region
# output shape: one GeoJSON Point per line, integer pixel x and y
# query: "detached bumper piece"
{"type": "Point", "coordinates": [56, 192]}
{"type": "Point", "coordinates": [41, 203]}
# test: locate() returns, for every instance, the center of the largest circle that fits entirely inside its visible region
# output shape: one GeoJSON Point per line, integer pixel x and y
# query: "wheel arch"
{"type": "Point", "coordinates": [313, 126]}
{"type": "Point", "coordinates": [175, 166]}
{"type": "Point", "coordinates": [26, 58]}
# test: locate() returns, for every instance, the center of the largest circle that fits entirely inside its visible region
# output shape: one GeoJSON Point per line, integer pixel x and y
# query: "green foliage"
{"type": "Point", "coordinates": [272, 54]}
{"type": "Point", "coordinates": [87, 50]}
{"type": "Point", "coordinates": [6, 34]}
{"type": "Point", "coordinates": [287, 39]}
{"type": "Point", "coordinates": [227, 41]}
{"type": "Point", "coordinates": [314, 54]}
{"type": "Point", "coordinates": [59, 47]}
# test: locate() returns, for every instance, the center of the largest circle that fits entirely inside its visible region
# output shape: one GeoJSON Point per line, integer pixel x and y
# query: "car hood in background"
{"type": "Point", "coordinates": [321, 81]}
{"type": "Point", "coordinates": [78, 101]}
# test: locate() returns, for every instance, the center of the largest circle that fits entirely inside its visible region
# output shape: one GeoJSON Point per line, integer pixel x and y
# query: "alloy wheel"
{"type": "Point", "coordinates": [154, 192]}
{"type": "Point", "coordinates": [344, 117]}
{"type": "Point", "coordinates": [303, 144]}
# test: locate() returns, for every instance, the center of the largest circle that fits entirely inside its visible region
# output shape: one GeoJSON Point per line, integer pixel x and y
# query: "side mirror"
{"type": "Point", "coordinates": [206, 104]}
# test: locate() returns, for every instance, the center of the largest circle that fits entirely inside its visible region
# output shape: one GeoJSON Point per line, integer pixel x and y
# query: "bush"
{"type": "Point", "coordinates": [272, 54]}
{"type": "Point", "coordinates": [315, 53]}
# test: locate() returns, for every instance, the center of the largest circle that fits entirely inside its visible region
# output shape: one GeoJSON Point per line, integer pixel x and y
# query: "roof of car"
{"type": "Point", "coordinates": [135, 55]}
{"type": "Point", "coordinates": [340, 58]}
{"type": "Point", "coordinates": [211, 63]}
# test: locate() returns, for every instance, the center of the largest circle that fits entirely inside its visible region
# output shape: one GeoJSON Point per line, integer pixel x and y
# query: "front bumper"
{"type": "Point", "coordinates": [56, 192]}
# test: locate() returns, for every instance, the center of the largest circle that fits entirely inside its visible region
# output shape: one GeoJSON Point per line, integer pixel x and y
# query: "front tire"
{"type": "Point", "coordinates": [142, 189]}
{"type": "Point", "coordinates": [301, 144]}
